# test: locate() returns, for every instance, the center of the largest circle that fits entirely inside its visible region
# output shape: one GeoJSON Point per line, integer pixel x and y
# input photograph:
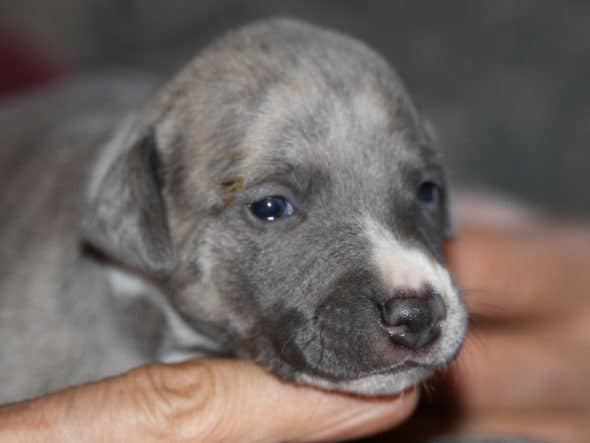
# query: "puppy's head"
{"type": "Point", "coordinates": [283, 191]}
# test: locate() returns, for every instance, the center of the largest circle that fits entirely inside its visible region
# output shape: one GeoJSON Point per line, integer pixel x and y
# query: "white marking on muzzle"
{"type": "Point", "coordinates": [401, 266]}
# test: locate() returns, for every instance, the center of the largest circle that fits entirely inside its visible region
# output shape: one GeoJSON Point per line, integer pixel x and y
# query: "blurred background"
{"type": "Point", "coordinates": [503, 82]}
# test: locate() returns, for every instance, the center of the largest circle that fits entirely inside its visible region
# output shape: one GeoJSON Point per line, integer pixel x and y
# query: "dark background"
{"type": "Point", "coordinates": [504, 82]}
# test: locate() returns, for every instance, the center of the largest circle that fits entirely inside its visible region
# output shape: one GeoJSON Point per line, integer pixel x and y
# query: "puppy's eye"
{"type": "Point", "coordinates": [430, 195]}
{"type": "Point", "coordinates": [271, 208]}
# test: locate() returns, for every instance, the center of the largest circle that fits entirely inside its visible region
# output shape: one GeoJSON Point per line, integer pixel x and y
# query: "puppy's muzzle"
{"type": "Point", "coordinates": [412, 318]}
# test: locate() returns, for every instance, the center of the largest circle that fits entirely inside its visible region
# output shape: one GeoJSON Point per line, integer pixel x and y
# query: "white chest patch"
{"type": "Point", "coordinates": [180, 342]}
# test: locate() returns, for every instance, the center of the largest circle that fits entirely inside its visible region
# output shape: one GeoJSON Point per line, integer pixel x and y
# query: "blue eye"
{"type": "Point", "coordinates": [430, 195]}
{"type": "Point", "coordinates": [271, 208]}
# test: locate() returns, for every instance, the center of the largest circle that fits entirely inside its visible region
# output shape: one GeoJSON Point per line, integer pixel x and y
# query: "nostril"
{"type": "Point", "coordinates": [413, 314]}
{"type": "Point", "coordinates": [413, 320]}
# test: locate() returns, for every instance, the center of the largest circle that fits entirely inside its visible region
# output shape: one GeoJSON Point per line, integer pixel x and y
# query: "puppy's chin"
{"type": "Point", "coordinates": [373, 384]}
{"type": "Point", "coordinates": [385, 381]}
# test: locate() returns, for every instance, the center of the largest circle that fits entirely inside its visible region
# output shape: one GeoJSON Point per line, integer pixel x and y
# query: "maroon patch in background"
{"type": "Point", "coordinates": [25, 65]}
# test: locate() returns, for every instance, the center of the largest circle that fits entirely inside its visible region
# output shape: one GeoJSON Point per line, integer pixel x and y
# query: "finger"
{"type": "Point", "coordinates": [226, 400]}
{"type": "Point", "coordinates": [202, 401]}
{"type": "Point", "coordinates": [510, 370]}
{"type": "Point", "coordinates": [534, 274]}
{"type": "Point", "coordinates": [547, 427]}
{"type": "Point", "coordinates": [563, 428]}
{"type": "Point", "coordinates": [490, 209]}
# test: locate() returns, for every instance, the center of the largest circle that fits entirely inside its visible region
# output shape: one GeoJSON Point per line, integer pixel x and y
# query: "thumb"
{"type": "Point", "coordinates": [216, 400]}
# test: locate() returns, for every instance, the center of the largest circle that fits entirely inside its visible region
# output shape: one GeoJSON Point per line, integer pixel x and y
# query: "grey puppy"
{"type": "Point", "coordinates": [278, 200]}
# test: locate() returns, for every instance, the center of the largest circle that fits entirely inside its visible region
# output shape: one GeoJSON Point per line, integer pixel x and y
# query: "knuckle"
{"type": "Point", "coordinates": [179, 402]}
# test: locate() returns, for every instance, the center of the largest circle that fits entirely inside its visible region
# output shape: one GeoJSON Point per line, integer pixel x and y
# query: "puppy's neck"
{"type": "Point", "coordinates": [178, 341]}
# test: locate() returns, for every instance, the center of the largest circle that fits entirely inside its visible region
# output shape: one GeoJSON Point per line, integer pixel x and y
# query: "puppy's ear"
{"type": "Point", "coordinates": [127, 214]}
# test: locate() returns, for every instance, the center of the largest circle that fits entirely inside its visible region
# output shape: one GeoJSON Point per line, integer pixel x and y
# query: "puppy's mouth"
{"type": "Point", "coordinates": [366, 347]}
{"type": "Point", "coordinates": [360, 341]}
{"type": "Point", "coordinates": [386, 381]}
{"type": "Point", "coordinates": [376, 366]}
{"type": "Point", "coordinates": [407, 365]}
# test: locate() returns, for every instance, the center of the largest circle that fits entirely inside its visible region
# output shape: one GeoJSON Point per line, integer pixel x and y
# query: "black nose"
{"type": "Point", "coordinates": [412, 317]}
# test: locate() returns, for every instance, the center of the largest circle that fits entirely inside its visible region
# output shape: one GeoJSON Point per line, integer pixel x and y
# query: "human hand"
{"type": "Point", "coordinates": [525, 367]}
{"type": "Point", "coordinates": [208, 400]}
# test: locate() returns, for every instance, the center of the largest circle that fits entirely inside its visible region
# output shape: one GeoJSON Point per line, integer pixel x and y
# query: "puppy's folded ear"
{"type": "Point", "coordinates": [127, 219]}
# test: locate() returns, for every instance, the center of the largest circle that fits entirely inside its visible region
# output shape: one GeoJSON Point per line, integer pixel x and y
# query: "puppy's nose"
{"type": "Point", "coordinates": [412, 318]}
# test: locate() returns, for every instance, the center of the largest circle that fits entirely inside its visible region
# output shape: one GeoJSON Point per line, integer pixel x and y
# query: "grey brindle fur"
{"type": "Point", "coordinates": [127, 237]}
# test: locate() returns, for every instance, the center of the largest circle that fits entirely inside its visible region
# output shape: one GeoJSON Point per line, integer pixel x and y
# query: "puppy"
{"type": "Point", "coordinates": [279, 200]}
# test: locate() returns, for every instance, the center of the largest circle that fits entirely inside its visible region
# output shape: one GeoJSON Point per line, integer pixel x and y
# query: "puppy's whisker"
{"type": "Point", "coordinates": [320, 364]}
{"type": "Point", "coordinates": [475, 346]}
{"type": "Point", "coordinates": [307, 343]}
{"type": "Point", "coordinates": [427, 388]}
